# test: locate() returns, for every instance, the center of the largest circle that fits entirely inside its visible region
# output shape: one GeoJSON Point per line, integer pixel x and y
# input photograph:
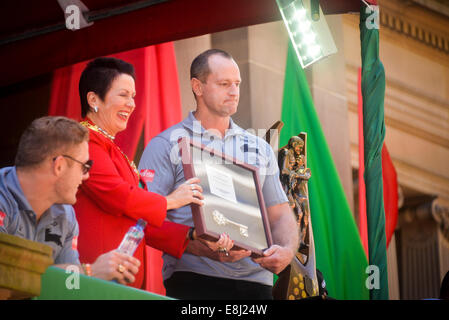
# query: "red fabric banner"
{"type": "Point", "coordinates": [390, 182]}
{"type": "Point", "coordinates": [363, 223]}
{"type": "Point", "coordinates": [162, 90]}
{"type": "Point", "coordinates": [158, 106]}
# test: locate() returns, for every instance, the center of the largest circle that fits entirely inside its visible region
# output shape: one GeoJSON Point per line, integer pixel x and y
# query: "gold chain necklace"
{"type": "Point", "coordinates": [107, 135]}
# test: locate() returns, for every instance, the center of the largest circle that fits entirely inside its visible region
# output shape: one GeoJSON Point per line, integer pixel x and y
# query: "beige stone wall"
{"type": "Point", "coordinates": [414, 48]}
{"type": "Point", "coordinates": [416, 97]}
{"type": "Point", "coordinates": [186, 50]}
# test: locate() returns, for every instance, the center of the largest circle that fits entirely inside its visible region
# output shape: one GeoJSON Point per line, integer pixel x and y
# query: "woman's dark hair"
{"type": "Point", "coordinates": [98, 76]}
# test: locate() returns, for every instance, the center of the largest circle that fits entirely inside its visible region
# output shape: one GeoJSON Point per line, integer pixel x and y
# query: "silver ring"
{"type": "Point", "coordinates": [192, 186]}
{"type": "Point", "coordinates": [223, 250]}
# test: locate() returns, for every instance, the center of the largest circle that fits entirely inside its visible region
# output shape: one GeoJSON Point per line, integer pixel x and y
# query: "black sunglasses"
{"type": "Point", "coordinates": [86, 165]}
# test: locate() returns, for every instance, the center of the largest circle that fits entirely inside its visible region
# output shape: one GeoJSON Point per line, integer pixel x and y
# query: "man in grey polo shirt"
{"type": "Point", "coordinates": [200, 273]}
{"type": "Point", "coordinates": [36, 195]}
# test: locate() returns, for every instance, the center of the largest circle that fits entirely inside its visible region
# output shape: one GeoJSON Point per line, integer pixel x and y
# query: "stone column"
{"type": "Point", "coordinates": [235, 42]}
{"type": "Point", "coordinates": [186, 50]}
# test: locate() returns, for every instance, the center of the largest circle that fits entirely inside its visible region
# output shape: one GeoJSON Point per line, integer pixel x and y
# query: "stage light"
{"type": "Point", "coordinates": [311, 38]}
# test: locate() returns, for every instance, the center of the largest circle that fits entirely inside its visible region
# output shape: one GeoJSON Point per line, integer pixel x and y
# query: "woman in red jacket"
{"type": "Point", "coordinates": [110, 201]}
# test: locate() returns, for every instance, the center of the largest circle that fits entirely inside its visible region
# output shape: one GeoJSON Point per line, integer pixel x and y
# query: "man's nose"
{"type": "Point", "coordinates": [234, 89]}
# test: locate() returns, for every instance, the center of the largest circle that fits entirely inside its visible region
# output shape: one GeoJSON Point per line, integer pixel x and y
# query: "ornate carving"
{"type": "Point", "coordinates": [299, 280]}
{"type": "Point", "coordinates": [415, 31]}
{"type": "Point", "coordinates": [294, 178]}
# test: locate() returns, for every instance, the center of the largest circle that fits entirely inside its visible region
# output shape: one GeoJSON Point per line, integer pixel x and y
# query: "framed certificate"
{"type": "Point", "coordinates": [233, 200]}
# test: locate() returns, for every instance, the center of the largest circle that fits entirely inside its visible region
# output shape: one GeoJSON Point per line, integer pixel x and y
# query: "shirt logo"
{"type": "Point", "coordinates": [147, 175]}
{"type": "Point", "coordinates": [56, 238]}
{"type": "Point", "coordinates": [75, 243]}
{"type": "Point", "coordinates": [2, 217]}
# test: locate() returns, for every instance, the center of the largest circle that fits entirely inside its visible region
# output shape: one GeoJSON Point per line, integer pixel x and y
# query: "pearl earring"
{"type": "Point", "coordinates": [95, 109]}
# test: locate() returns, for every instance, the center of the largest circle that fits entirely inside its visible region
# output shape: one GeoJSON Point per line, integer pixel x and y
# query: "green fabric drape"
{"type": "Point", "coordinates": [373, 92]}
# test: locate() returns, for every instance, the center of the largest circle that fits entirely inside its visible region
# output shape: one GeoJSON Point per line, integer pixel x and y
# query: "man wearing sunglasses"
{"type": "Point", "coordinates": [37, 193]}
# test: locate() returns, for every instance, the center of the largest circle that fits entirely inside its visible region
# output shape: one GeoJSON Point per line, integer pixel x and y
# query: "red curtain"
{"type": "Point", "coordinates": [158, 106]}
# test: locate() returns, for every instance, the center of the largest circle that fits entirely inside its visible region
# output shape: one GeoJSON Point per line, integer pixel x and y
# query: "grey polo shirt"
{"type": "Point", "coordinates": [161, 158]}
{"type": "Point", "coordinates": [57, 227]}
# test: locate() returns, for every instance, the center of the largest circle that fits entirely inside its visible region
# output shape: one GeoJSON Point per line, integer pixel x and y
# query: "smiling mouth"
{"type": "Point", "coordinates": [123, 115]}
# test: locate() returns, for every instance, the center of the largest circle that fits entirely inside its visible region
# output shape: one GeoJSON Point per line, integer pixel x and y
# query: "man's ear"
{"type": "Point", "coordinates": [197, 88]}
{"type": "Point", "coordinates": [58, 165]}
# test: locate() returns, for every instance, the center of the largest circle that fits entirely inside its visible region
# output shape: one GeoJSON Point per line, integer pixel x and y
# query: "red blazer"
{"type": "Point", "coordinates": [110, 202]}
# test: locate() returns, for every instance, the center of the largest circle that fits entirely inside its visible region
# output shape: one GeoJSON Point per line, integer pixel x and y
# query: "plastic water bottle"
{"type": "Point", "coordinates": [132, 238]}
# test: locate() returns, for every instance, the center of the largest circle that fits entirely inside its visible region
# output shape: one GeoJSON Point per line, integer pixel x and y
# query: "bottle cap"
{"type": "Point", "coordinates": [141, 223]}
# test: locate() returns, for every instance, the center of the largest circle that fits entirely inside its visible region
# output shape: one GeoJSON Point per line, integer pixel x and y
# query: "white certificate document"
{"type": "Point", "coordinates": [220, 183]}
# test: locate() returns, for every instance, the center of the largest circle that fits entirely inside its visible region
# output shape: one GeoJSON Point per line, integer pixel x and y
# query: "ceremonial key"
{"type": "Point", "coordinates": [221, 220]}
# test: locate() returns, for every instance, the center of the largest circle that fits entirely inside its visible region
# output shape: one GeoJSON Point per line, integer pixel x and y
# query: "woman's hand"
{"type": "Point", "coordinates": [219, 250]}
{"type": "Point", "coordinates": [222, 249]}
{"type": "Point", "coordinates": [215, 250]}
{"type": "Point", "coordinates": [222, 245]}
{"type": "Point", "coordinates": [189, 192]}
{"type": "Point", "coordinates": [115, 265]}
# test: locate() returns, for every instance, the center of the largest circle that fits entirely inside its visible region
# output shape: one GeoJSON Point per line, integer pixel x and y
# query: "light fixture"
{"type": "Point", "coordinates": [311, 38]}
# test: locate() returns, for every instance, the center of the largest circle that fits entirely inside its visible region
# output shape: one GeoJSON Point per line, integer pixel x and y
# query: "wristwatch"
{"type": "Point", "coordinates": [191, 230]}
